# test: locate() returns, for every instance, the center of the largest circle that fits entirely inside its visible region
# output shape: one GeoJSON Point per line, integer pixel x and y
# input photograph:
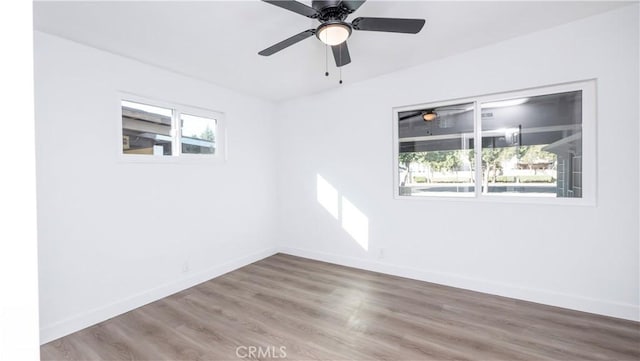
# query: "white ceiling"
{"type": "Point", "coordinates": [218, 41]}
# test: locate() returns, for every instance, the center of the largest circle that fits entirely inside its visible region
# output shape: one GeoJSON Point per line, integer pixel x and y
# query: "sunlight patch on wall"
{"type": "Point", "coordinates": [355, 223]}
{"type": "Point", "coordinates": [327, 196]}
{"type": "Point", "coordinates": [352, 220]}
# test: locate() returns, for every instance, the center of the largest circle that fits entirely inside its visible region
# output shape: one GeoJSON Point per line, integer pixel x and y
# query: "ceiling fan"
{"type": "Point", "coordinates": [334, 30]}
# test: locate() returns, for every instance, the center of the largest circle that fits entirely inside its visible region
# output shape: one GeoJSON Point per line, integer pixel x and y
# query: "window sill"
{"type": "Point", "coordinates": [504, 199]}
{"type": "Point", "coordinates": [183, 159]}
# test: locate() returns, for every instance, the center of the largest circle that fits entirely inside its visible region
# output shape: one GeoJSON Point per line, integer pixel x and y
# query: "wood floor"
{"type": "Point", "coordinates": [308, 310]}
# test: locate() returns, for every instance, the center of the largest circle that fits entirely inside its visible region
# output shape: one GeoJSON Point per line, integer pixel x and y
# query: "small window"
{"type": "Point", "coordinates": [149, 129]}
{"type": "Point", "coordinates": [537, 143]}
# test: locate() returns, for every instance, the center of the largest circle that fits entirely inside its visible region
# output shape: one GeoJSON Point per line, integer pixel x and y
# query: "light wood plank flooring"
{"type": "Point", "coordinates": [320, 311]}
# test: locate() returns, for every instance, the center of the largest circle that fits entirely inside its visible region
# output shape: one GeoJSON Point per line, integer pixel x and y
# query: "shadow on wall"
{"type": "Point", "coordinates": [353, 221]}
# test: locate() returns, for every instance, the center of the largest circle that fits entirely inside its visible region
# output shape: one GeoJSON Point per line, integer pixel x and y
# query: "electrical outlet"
{"type": "Point", "coordinates": [185, 267]}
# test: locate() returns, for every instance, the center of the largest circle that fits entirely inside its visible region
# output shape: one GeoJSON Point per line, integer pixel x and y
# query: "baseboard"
{"type": "Point", "coordinates": [574, 302]}
{"type": "Point", "coordinates": [62, 328]}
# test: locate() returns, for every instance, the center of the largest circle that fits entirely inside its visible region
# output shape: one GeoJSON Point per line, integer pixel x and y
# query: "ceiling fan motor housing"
{"type": "Point", "coordinates": [330, 10]}
{"type": "Point", "coordinates": [331, 14]}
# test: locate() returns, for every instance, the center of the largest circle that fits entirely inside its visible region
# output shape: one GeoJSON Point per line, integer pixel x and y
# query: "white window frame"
{"type": "Point", "coordinates": [176, 156]}
{"type": "Point", "coordinates": [589, 146]}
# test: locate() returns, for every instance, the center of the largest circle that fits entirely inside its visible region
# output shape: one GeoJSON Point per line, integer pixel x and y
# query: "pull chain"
{"type": "Point", "coordinates": [340, 67]}
{"type": "Point", "coordinates": [326, 60]}
{"type": "Point", "coordinates": [326, 57]}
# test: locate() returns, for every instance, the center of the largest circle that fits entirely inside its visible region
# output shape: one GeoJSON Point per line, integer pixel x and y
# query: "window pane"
{"type": "Point", "coordinates": [146, 129]}
{"type": "Point", "coordinates": [198, 134]}
{"type": "Point", "coordinates": [533, 146]}
{"type": "Point", "coordinates": [436, 151]}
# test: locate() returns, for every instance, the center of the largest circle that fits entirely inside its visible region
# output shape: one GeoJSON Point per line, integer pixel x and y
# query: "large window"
{"type": "Point", "coordinates": [168, 131]}
{"type": "Point", "coordinates": [537, 143]}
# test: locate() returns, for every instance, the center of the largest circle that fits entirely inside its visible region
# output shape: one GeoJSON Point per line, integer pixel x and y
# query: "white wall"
{"type": "Point", "coordinates": [584, 258]}
{"type": "Point", "coordinates": [18, 239]}
{"type": "Point", "coordinates": [114, 236]}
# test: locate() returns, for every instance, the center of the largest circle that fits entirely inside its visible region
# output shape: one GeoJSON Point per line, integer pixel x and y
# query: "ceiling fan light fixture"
{"type": "Point", "coordinates": [429, 116]}
{"type": "Point", "coordinates": [333, 33]}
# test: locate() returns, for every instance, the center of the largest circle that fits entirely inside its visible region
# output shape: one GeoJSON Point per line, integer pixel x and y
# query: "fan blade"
{"type": "Point", "coordinates": [392, 25]}
{"type": "Point", "coordinates": [341, 54]}
{"type": "Point", "coordinates": [352, 5]}
{"type": "Point", "coordinates": [287, 42]}
{"type": "Point", "coordinates": [296, 7]}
